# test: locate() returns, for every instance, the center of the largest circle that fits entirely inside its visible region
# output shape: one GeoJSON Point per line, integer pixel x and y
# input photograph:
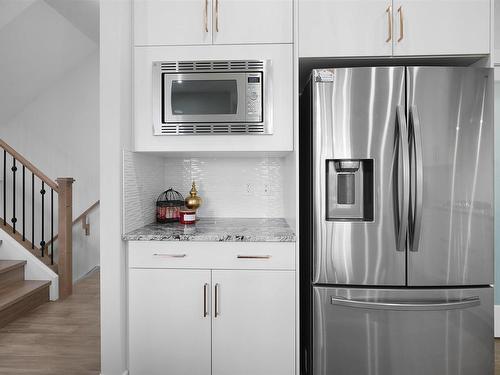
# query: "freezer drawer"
{"type": "Point", "coordinates": [402, 331]}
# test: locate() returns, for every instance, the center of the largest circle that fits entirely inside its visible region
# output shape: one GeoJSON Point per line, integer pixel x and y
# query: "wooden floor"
{"type": "Point", "coordinates": [58, 338]}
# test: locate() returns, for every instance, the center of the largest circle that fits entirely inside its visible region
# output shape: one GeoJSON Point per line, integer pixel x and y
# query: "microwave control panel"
{"type": "Point", "coordinates": [254, 97]}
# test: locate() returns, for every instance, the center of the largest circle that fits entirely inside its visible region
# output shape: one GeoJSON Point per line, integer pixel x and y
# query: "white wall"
{"type": "Point", "coordinates": [59, 133]}
{"type": "Point", "coordinates": [86, 249]}
{"type": "Point", "coordinates": [115, 135]}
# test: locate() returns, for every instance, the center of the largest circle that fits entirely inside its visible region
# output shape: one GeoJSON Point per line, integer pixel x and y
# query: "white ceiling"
{"type": "Point", "coordinates": [40, 43]}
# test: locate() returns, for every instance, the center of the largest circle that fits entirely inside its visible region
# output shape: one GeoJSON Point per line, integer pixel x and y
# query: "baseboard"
{"type": "Point", "coordinates": [497, 321]}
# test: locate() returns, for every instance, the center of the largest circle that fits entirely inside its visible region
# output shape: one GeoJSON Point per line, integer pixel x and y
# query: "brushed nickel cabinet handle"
{"type": "Point", "coordinates": [217, 15]}
{"type": "Point", "coordinates": [206, 16]}
{"type": "Point", "coordinates": [389, 22]}
{"type": "Point", "coordinates": [216, 314]}
{"type": "Point", "coordinates": [253, 256]}
{"type": "Point", "coordinates": [170, 255]}
{"type": "Point", "coordinates": [205, 300]}
{"type": "Point", "coordinates": [401, 24]}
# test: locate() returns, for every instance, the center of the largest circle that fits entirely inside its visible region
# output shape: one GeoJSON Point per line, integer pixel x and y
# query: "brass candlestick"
{"type": "Point", "coordinates": [193, 201]}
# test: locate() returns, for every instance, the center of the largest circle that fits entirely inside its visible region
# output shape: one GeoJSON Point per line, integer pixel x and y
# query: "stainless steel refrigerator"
{"type": "Point", "coordinates": [397, 221]}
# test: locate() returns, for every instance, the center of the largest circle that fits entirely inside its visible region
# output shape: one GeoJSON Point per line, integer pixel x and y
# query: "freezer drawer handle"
{"type": "Point", "coordinates": [170, 255]}
{"type": "Point", "coordinates": [407, 306]}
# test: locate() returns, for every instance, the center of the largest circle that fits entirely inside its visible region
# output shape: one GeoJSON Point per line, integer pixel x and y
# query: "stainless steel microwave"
{"type": "Point", "coordinates": [211, 97]}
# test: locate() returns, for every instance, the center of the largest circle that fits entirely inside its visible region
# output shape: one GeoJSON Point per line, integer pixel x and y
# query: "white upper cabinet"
{"type": "Point", "coordinates": [441, 27]}
{"type": "Point", "coordinates": [358, 28]}
{"type": "Point", "coordinates": [252, 21]}
{"type": "Point", "coordinates": [172, 22]}
{"type": "Point", "coordinates": [335, 28]}
{"type": "Point", "coordinates": [195, 22]}
{"type": "Point", "coordinates": [253, 329]}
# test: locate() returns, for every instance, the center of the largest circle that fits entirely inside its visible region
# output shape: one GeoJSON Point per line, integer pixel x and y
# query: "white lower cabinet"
{"type": "Point", "coordinates": [168, 333]}
{"type": "Point", "coordinates": [253, 332]}
{"type": "Point", "coordinates": [216, 321]}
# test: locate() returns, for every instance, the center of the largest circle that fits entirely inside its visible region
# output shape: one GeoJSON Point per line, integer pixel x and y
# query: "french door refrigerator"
{"type": "Point", "coordinates": [396, 171]}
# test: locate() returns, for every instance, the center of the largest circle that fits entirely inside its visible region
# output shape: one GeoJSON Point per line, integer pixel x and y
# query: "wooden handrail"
{"type": "Point", "coordinates": [86, 212]}
{"type": "Point", "coordinates": [29, 166]}
{"type": "Point", "coordinates": [80, 217]}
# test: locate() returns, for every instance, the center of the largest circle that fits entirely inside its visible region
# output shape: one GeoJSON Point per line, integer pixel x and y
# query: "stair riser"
{"type": "Point", "coordinates": [11, 276]}
{"type": "Point", "coordinates": [24, 306]}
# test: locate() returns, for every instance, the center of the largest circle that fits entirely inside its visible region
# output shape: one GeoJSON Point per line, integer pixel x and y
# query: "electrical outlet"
{"type": "Point", "coordinates": [267, 189]}
{"type": "Point", "coordinates": [249, 188]}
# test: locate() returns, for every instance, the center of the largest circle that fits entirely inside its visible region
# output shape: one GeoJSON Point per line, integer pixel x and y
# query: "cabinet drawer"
{"type": "Point", "coordinates": [212, 255]}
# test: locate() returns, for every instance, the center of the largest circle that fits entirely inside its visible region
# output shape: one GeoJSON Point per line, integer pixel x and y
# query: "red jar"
{"type": "Point", "coordinates": [187, 216]}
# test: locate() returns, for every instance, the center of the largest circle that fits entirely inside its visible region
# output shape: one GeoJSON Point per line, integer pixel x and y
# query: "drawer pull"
{"type": "Point", "coordinates": [205, 299]}
{"type": "Point", "coordinates": [401, 24]}
{"type": "Point", "coordinates": [389, 22]}
{"type": "Point", "coordinates": [205, 19]}
{"type": "Point", "coordinates": [217, 300]}
{"type": "Point", "coordinates": [254, 256]}
{"type": "Point", "coordinates": [217, 15]}
{"type": "Point", "coordinates": [170, 255]}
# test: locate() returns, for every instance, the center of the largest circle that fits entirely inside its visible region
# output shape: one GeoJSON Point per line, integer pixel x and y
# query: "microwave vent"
{"type": "Point", "coordinates": [210, 129]}
{"type": "Point", "coordinates": [210, 66]}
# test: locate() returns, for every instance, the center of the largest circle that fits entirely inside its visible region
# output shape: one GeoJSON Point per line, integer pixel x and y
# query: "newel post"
{"type": "Point", "coordinates": [65, 239]}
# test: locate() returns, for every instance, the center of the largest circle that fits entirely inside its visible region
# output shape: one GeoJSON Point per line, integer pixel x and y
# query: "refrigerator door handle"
{"type": "Point", "coordinates": [403, 144]}
{"type": "Point", "coordinates": [418, 174]}
{"type": "Point", "coordinates": [407, 306]}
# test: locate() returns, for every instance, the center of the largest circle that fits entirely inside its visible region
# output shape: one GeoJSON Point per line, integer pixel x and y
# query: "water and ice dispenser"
{"type": "Point", "coordinates": [349, 187]}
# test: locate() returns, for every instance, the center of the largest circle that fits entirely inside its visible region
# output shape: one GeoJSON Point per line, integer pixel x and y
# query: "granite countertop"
{"type": "Point", "coordinates": [217, 229]}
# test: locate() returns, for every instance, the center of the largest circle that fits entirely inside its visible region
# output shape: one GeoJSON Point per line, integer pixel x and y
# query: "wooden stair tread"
{"type": "Point", "coordinates": [9, 265]}
{"type": "Point", "coordinates": [17, 291]}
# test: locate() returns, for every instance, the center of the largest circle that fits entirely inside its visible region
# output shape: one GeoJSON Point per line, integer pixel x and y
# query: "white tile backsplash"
{"type": "Point", "coordinates": [245, 187]}
{"type": "Point", "coordinates": [231, 186]}
{"type": "Point", "coordinates": [143, 181]}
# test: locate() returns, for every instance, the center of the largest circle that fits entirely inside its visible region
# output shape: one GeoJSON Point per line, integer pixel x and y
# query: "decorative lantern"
{"type": "Point", "coordinates": [168, 206]}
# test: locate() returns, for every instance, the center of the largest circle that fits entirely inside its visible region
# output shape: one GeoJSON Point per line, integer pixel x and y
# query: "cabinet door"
{"type": "Point", "coordinates": [334, 28]}
{"type": "Point", "coordinates": [172, 22]}
{"type": "Point", "coordinates": [441, 27]}
{"type": "Point", "coordinates": [168, 332]}
{"type": "Point", "coordinates": [253, 331]}
{"type": "Point", "coordinates": [250, 21]}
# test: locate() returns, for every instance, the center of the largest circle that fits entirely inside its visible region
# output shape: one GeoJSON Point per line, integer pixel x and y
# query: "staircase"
{"type": "Point", "coordinates": [36, 212]}
{"type": "Point", "coordinates": [17, 295]}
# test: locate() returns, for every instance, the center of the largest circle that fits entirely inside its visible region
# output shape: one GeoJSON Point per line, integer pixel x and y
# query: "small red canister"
{"type": "Point", "coordinates": [187, 216]}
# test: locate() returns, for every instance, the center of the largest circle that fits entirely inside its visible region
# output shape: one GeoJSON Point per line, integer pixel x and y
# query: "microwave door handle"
{"type": "Point", "coordinates": [407, 306]}
{"type": "Point", "coordinates": [404, 152]}
{"type": "Point", "coordinates": [419, 176]}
